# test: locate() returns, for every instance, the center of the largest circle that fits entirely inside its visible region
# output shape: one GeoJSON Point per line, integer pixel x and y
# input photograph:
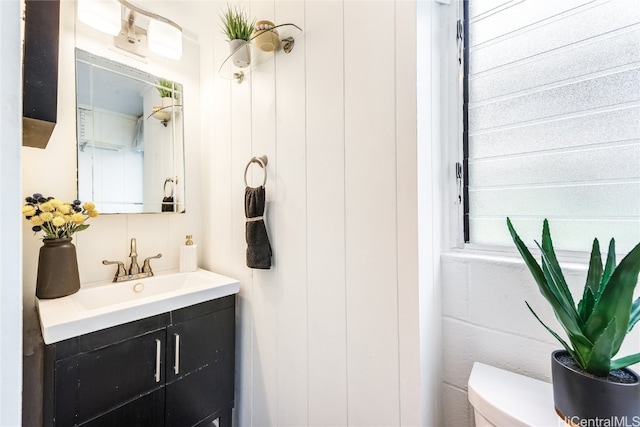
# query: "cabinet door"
{"type": "Point", "coordinates": [98, 381]}
{"type": "Point", "coordinates": [192, 398]}
{"type": "Point", "coordinates": [191, 345]}
{"type": "Point", "coordinates": [201, 364]}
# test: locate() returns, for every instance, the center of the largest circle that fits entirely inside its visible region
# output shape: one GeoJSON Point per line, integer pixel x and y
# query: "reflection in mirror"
{"type": "Point", "coordinates": [130, 138]}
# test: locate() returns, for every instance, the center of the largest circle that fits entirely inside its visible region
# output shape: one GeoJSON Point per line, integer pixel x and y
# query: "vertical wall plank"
{"type": "Point", "coordinates": [407, 211]}
{"type": "Point", "coordinates": [217, 153]}
{"type": "Point", "coordinates": [325, 214]}
{"type": "Point", "coordinates": [371, 237]}
{"type": "Point", "coordinates": [292, 224]}
{"type": "Point", "coordinates": [267, 284]}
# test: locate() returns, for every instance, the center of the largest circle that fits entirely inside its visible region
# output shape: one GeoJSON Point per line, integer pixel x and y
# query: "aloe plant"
{"type": "Point", "coordinates": [599, 323]}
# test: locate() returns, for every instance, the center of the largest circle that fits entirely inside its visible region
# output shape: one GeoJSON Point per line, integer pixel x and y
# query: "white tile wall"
{"type": "Point", "coordinates": [455, 410]}
{"type": "Point", "coordinates": [455, 292]}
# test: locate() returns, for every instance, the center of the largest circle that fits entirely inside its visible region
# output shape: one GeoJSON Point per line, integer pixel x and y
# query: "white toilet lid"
{"type": "Point", "coordinates": [509, 399]}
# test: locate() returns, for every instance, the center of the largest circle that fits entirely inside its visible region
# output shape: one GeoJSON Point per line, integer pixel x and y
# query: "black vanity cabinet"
{"type": "Point", "coordinates": [174, 369]}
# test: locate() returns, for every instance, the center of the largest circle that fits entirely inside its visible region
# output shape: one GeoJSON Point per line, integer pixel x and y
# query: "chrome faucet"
{"type": "Point", "coordinates": [122, 274]}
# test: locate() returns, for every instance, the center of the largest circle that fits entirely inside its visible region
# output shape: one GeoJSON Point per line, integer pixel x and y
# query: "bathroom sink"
{"type": "Point", "coordinates": [107, 294]}
{"type": "Point", "coordinates": [101, 305]}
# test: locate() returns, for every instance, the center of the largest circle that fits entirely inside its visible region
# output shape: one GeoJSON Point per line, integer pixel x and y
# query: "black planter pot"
{"type": "Point", "coordinates": [57, 269]}
{"type": "Point", "coordinates": [582, 398]}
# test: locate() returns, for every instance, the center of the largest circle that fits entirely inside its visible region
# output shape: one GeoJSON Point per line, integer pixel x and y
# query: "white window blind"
{"type": "Point", "coordinates": [554, 120]}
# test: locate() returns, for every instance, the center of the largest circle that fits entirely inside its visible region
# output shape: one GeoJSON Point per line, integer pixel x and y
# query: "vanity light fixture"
{"type": "Point", "coordinates": [162, 36]}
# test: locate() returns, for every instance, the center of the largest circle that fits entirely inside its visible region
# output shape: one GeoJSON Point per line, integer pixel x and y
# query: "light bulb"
{"type": "Point", "coordinates": [164, 39]}
{"type": "Point", "coordinates": [103, 15]}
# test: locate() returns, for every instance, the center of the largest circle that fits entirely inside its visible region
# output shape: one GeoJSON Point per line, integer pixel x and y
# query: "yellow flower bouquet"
{"type": "Point", "coordinates": [57, 219]}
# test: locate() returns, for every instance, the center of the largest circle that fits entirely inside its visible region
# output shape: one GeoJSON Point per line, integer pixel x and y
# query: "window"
{"type": "Point", "coordinates": [552, 120]}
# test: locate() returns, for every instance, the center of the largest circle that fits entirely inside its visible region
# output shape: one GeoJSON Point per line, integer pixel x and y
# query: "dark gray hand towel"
{"type": "Point", "coordinates": [258, 246]}
{"type": "Point", "coordinates": [167, 204]}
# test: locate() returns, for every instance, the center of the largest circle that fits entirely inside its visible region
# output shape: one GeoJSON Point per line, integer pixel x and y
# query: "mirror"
{"type": "Point", "coordinates": [130, 138]}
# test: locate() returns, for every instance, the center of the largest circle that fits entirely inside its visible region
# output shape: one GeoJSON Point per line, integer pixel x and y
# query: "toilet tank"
{"type": "Point", "coordinates": [505, 399]}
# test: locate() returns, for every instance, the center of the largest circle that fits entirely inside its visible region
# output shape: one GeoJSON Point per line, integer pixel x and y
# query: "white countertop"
{"type": "Point", "coordinates": [101, 305]}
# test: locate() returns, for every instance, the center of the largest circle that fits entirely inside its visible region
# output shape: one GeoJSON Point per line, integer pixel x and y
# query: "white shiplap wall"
{"type": "Point", "coordinates": [329, 335]}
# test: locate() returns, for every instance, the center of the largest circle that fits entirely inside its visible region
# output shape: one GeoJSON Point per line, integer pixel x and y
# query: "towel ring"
{"type": "Point", "coordinates": [262, 161]}
{"type": "Point", "coordinates": [164, 189]}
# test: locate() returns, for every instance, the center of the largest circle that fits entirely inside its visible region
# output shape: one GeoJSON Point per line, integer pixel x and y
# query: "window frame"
{"type": "Point", "coordinates": [464, 39]}
{"type": "Point", "coordinates": [461, 238]}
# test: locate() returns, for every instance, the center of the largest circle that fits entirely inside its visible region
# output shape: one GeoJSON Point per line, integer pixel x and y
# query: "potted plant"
{"type": "Point", "coordinates": [587, 384]}
{"type": "Point", "coordinates": [57, 262]}
{"type": "Point", "coordinates": [166, 89]}
{"type": "Point", "coordinates": [238, 29]}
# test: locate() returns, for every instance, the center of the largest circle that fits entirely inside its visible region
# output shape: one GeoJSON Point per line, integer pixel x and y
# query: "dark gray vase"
{"type": "Point", "coordinates": [580, 398]}
{"type": "Point", "coordinates": [57, 269]}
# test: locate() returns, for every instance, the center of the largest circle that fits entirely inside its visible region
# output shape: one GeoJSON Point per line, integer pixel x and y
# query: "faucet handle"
{"type": "Point", "coordinates": [146, 266]}
{"type": "Point", "coordinates": [120, 272]}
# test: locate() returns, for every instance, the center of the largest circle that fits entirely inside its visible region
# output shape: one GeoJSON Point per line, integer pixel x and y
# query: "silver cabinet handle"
{"type": "Point", "coordinates": [176, 366]}
{"type": "Point", "coordinates": [158, 348]}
